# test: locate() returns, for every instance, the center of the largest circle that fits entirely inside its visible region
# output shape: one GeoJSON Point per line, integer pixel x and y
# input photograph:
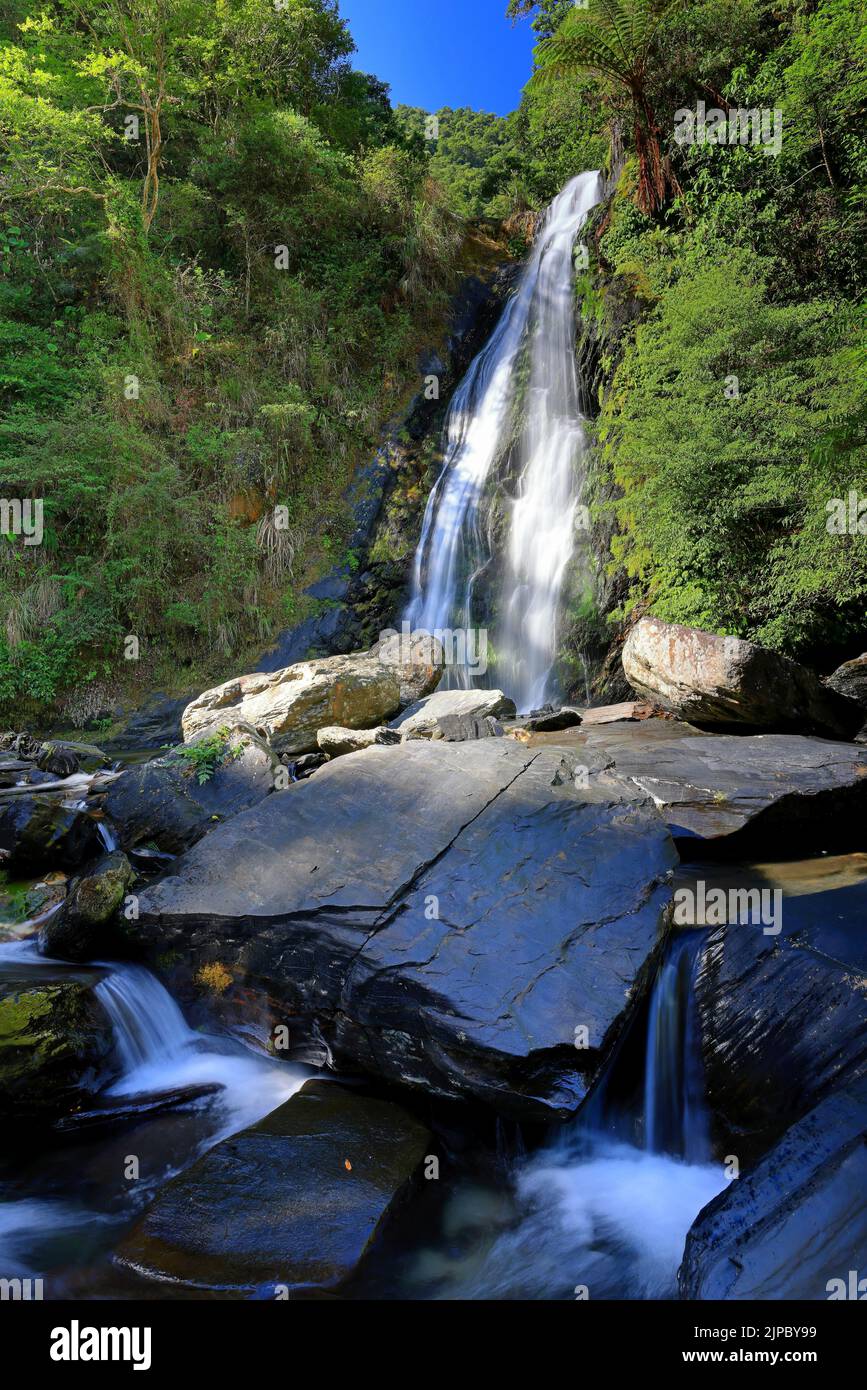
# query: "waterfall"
{"type": "Point", "coordinates": [597, 1208]}
{"type": "Point", "coordinates": [148, 1025]}
{"type": "Point", "coordinates": [675, 1115]}
{"type": "Point", "coordinates": [519, 402]}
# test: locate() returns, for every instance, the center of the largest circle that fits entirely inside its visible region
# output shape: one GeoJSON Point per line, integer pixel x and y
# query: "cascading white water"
{"type": "Point", "coordinates": [675, 1114]}
{"type": "Point", "coordinates": [148, 1025]}
{"type": "Point", "coordinates": [158, 1054]}
{"type": "Point", "coordinates": [594, 1210]}
{"type": "Point", "coordinates": [496, 395]}
{"type": "Point", "coordinates": [108, 836]}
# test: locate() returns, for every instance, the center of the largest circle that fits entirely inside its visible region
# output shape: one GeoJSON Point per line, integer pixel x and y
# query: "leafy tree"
{"type": "Point", "coordinates": [548, 15]}
{"type": "Point", "coordinates": [163, 381]}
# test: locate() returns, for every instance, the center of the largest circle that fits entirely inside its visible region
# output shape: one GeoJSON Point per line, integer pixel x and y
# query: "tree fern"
{"type": "Point", "coordinates": [614, 39]}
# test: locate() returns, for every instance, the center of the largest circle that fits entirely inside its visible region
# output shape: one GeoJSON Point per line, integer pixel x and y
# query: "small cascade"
{"type": "Point", "coordinates": [158, 1053]}
{"type": "Point", "coordinates": [675, 1114]}
{"type": "Point", "coordinates": [107, 836]}
{"type": "Point", "coordinates": [611, 1197]}
{"type": "Point", "coordinates": [149, 1028]}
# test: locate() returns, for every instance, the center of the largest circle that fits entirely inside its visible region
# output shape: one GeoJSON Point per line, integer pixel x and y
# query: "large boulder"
{"type": "Point", "coordinates": [455, 715]}
{"type": "Point", "coordinates": [711, 680]}
{"type": "Point", "coordinates": [418, 658]}
{"type": "Point", "coordinates": [171, 801]}
{"type": "Point", "coordinates": [768, 791]}
{"type": "Point", "coordinates": [796, 1226]}
{"type": "Point", "coordinates": [453, 917]}
{"type": "Point", "coordinates": [55, 1043]}
{"type": "Point", "coordinates": [783, 1018]}
{"type": "Point", "coordinates": [38, 831]}
{"type": "Point", "coordinates": [84, 926]}
{"type": "Point", "coordinates": [292, 1203]}
{"type": "Point", "coordinates": [850, 680]}
{"type": "Point", "coordinates": [289, 707]}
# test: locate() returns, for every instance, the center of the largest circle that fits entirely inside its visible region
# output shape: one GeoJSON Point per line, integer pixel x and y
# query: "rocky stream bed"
{"type": "Point", "coordinates": [368, 990]}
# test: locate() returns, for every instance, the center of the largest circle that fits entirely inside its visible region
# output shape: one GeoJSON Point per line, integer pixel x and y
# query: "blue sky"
{"type": "Point", "coordinates": [437, 53]}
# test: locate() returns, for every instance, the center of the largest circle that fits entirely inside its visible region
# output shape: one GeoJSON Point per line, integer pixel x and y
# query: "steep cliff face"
{"type": "Point", "coordinates": [360, 598]}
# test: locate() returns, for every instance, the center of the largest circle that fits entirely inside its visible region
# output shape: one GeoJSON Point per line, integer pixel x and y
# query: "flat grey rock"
{"type": "Point", "coordinates": [782, 790]}
{"type": "Point", "coordinates": [448, 914]}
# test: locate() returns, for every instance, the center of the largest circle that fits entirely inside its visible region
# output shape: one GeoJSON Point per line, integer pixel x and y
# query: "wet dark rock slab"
{"type": "Point", "coordinates": [38, 831]}
{"type": "Point", "coordinates": [156, 725]}
{"type": "Point", "coordinates": [449, 914]}
{"type": "Point", "coordinates": [772, 791]}
{"type": "Point", "coordinates": [163, 803]}
{"type": "Point", "coordinates": [294, 1201]}
{"type": "Point", "coordinates": [783, 1018]}
{"type": "Point", "coordinates": [796, 1226]}
{"type": "Point", "coordinates": [333, 631]}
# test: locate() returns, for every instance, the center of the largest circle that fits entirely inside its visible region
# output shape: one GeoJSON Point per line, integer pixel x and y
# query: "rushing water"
{"type": "Point", "coordinates": [603, 1210]}
{"type": "Point", "coordinates": [524, 379]}
{"type": "Point", "coordinates": [42, 1225]}
{"type": "Point", "coordinates": [675, 1113]}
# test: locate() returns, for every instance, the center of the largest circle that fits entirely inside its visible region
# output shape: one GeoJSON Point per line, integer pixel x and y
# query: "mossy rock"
{"type": "Point", "coordinates": [89, 923]}
{"type": "Point", "coordinates": [55, 1045]}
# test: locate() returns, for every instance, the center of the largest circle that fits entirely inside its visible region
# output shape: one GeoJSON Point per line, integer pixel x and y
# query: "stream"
{"type": "Point", "coordinates": [603, 1202]}
{"type": "Point", "coordinates": [588, 1206]}
{"type": "Point", "coordinates": [65, 1201]}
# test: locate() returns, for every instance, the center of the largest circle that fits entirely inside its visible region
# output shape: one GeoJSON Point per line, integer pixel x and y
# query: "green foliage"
{"type": "Point", "coordinates": [494, 166]}
{"type": "Point", "coordinates": [618, 42]}
{"type": "Point", "coordinates": [710, 431]}
{"type": "Point", "coordinates": [472, 156]}
{"type": "Point", "coordinates": [206, 756]}
{"type": "Point", "coordinates": [213, 320]}
{"type": "Point", "coordinates": [732, 356]}
{"type": "Point", "coordinates": [548, 15]}
{"type": "Point", "coordinates": [195, 327]}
